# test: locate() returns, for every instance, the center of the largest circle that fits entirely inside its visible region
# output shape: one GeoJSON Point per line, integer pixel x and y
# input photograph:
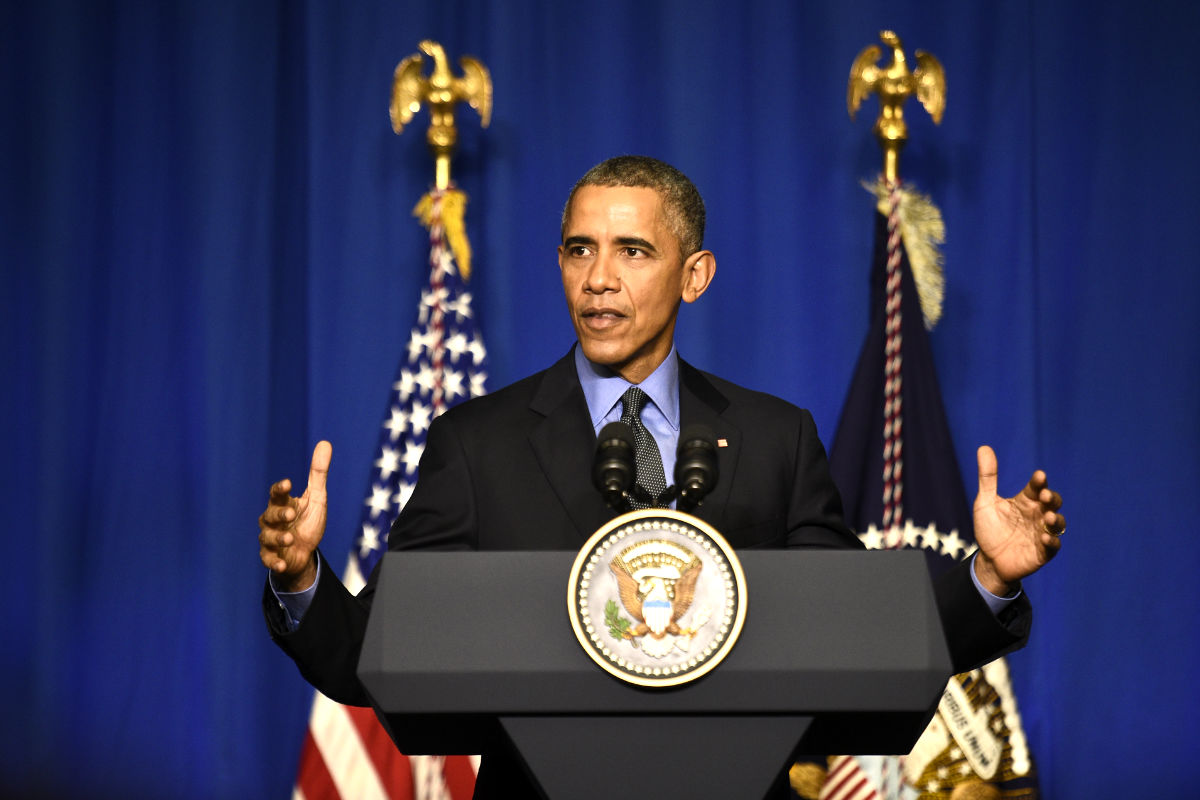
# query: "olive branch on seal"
{"type": "Point", "coordinates": [618, 626]}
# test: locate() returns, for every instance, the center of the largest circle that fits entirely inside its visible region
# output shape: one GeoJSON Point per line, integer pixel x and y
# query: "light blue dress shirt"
{"type": "Point", "coordinates": [602, 388]}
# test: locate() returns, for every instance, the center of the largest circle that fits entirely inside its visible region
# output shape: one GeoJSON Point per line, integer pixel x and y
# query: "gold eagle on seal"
{"type": "Point", "coordinates": [656, 582]}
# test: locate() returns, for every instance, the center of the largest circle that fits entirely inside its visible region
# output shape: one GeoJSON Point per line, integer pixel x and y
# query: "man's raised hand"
{"type": "Point", "coordinates": [1016, 535]}
{"type": "Point", "coordinates": [291, 527]}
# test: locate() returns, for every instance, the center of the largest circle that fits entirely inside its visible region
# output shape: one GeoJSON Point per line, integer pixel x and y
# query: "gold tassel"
{"type": "Point", "coordinates": [454, 210]}
{"type": "Point", "coordinates": [923, 232]}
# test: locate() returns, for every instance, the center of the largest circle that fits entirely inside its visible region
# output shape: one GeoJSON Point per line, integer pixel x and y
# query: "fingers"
{"type": "Point", "coordinates": [1035, 487]}
{"type": "Point", "coordinates": [985, 457]}
{"type": "Point", "coordinates": [1050, 500]}
{"type": "Point", "coordinates": [1054, 524]}
{"type": "Point", "coordinates": [280, 492]}
{"type": "Point", "coordinates": [271, 560]}
{"type": "Point", "coordinates": [278, 514]}
{"type": "Point", "coordinates": [319, 470]}
{"type": "Point", "coordinates": [275, 537]}
{"type": "Point", "coordinates": [1052, 537]}
{"type": "Point", "coordinates": [280, 511]}
{"type": "Point", "coordinates": [289, 528]}
{"type": "Point", "coordinates": [271, 544]}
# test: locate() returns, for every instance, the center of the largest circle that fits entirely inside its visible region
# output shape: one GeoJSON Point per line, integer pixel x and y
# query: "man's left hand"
{"type": "Point", "coordinates": [1016, 535]}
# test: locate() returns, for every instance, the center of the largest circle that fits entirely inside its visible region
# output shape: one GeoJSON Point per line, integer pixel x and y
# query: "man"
{"type": "Point", "coordinates": [511, 471]}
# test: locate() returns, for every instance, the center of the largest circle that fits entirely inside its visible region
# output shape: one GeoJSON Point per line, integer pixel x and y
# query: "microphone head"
{"type": "Point", "coordinates": [614, 467]}
{"type": "Point", "coordinates": [696, 470]}
{"type": "Point", "coordinates": [615, 438]}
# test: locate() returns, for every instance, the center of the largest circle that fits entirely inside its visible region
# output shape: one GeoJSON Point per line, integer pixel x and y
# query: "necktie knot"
{"type": "Point", "coordinates": [632, 403]}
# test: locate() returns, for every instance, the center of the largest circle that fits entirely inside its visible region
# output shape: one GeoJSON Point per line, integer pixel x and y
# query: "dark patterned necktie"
{"type": "Point", "coordinates": [649, 461]}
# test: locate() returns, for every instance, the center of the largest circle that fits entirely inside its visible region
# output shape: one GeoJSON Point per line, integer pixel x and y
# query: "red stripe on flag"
{"type": "Point", "coordinates": [846, 784]}
{"type": "Point", "coordinates": [391, 765]}
{"type": "Point", "coordinates": [853, 792]}
{"type": "Point", "coordinates": [459, 776]}
{"type": "Point", "coordinates": [313, 776]}
{"type": "Point", "coordinates": [837, 777]}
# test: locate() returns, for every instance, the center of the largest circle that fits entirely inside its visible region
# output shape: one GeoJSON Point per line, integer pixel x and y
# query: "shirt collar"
{"type": "Point", "coordinates": [602, 388]}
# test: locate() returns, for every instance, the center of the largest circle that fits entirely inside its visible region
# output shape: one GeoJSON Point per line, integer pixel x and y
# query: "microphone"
{"type": "Point", "coordinates": [696, 470]}
{"type": "Point", "coordinates": [614, 466]}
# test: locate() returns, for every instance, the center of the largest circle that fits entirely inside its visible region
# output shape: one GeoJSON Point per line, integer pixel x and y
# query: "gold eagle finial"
{"type": "Point", "coordinates": [894, 84]}
{"type": "Point", "coordinates": [441, 91]}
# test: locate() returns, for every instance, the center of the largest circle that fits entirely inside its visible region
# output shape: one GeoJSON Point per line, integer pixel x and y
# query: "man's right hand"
{"type": "Point", "coordinates": [291, 528]}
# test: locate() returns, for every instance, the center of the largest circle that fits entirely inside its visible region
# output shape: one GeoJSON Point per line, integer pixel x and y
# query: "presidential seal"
{"type": "Point", "coordinates": [657, 597]}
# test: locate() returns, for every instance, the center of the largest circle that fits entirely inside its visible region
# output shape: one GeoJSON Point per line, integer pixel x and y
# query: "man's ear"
{"type": "Point", "coordinates": [698, 271]}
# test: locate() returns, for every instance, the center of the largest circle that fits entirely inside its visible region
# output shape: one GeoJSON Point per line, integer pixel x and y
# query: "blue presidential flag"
{"type": "Point", "coordinates": [893, 460]}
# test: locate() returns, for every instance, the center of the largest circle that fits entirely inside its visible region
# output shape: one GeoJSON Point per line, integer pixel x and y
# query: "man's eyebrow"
{"type": "Point", "coordinates": [620, 241]}
{"type": "Point", "coordinates": [635, 241]}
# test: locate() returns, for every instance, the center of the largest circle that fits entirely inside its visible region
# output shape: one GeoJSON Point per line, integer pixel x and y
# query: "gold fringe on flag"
{"type": "Point", "coordinates": [454, 210]}
{"type": "Point", "coordinates": [923, 232]}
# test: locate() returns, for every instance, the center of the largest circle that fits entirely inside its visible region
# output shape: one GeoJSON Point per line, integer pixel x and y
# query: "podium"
{"type": "Point", "coordinates": [841, 652]}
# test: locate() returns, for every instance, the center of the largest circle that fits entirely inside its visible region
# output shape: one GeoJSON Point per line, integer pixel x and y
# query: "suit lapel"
{"type": "Point", "coordinates": [702, 403]}
{"type": "Point", "coordinates": [564, 443]}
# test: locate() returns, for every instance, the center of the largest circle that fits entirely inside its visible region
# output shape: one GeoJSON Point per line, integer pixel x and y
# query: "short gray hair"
{"type": "Point", "coordinates": [681, 199]}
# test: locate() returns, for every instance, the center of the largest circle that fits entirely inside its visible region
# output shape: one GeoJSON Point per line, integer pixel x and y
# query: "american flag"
{"type": "Point", "coordinates": [346, 753]}
{"type": "Point", "coordinates": [893, 460]}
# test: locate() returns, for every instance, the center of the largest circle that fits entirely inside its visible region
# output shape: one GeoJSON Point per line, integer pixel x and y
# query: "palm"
{"type": "Point", "coordinates": [308, 527]}
{"type": "Point", "coordinates": [1016, 534]}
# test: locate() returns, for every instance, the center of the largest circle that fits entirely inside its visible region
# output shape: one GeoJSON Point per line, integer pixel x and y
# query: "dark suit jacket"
{"type": "Point", "coordinates": [512, 471]}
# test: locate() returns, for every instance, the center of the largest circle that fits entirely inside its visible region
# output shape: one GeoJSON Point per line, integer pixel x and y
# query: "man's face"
{"type": "Point", "coordinates": [624, 277]}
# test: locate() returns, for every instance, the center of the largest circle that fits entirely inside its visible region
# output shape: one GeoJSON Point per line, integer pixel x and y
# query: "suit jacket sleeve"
{"type": "Point", "coordinates": [326, 644]}
{"type": "Point", "coordinates": [974, 634]}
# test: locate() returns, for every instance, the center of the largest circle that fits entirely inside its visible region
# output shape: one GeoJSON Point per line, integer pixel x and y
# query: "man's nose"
{"type": "Point", "coordinates": [602, 275]}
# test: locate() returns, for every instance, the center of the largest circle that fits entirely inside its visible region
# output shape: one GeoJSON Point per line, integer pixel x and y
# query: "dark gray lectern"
{"type": "Point", "coordinates": [842, 652]}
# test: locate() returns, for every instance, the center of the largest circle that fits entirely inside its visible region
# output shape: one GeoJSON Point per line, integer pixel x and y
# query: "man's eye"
{"type": "Point", "coordinates": [578, 251]}
{"type": "Point", "coordinates": [632, 252]}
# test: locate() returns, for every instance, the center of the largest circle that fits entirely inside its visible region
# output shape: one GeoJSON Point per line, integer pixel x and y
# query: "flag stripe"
{"type": "Point", "coordinates": [336, 737]}
{"type": "Point", "coordinates": [314, 775]}
{"type": "Point", "coordinates": [459, 773]}
{"type": "Point", "coordinates": [843, 781]}
{"type": "Point", "coordinates": [392, 767]}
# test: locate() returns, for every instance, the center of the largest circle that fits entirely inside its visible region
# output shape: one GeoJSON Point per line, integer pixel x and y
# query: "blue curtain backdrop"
{"type": "Point", "coordinates": [209, 263]}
